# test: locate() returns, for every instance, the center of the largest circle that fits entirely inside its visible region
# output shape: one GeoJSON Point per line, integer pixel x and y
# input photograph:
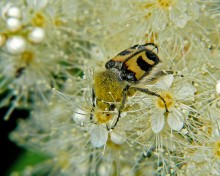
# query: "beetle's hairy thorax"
{"type": "Point", "coordinates": [108, 86]}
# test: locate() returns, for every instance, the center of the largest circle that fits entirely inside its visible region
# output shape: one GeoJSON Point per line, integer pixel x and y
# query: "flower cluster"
{"type": "Point", "coordinates": [99, 124]}
{"type": "Point", "coordinates": [33, 58]}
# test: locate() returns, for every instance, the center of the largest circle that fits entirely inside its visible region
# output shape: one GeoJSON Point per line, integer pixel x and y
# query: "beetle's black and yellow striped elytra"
{"type": "Point", "coordinates": [134, 63]}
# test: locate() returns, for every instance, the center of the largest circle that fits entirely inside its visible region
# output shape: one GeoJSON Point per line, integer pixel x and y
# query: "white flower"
{"type": "Point", "coordinates": [36, 50]}
{"type": "Point", "coordinates": [161, 12]}
{"type": "Point", "coordinates": [173, 97]}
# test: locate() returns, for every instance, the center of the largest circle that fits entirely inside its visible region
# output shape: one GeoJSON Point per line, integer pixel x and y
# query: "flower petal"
{"type": "Point", "coordinates": [37, 4]}
{"type": "Point", "coordinates": [99, 136]}
{"type": "Point", "coordinates": [79, 116]}
{"type": "Point", "coordinates": [194, 10]}
{"type": "Point", "coordinates": [161, 22]}
{"type": "Point", "coordinates": [175, 120]}
{"type": "Point", "coordinates": [157, 121]}
{"type": "Point", "coordinates": [165, 82]}
{"type": "Point", "coordinates": [186, 90]}
{"type": "Point", "coordinates": [117, 138]}
{"type": "Point", "coordinates": [218, 87]}
{"type": "Point", "coordinates": [179, 18]}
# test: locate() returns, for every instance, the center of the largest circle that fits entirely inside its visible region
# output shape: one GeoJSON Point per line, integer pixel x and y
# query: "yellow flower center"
{"type": "Point", "coordinates": [165, 3]}
{"type": "Point", "coordinates": [102, 117]}
{"type": "Point", "coordinates": [27, 57]}
{"type": "Point", "coordinates": [151, 37]}
{"type": "Point", "coordinates": [63, 160]}
{"type": "Point", "coordinates": [3, 38]}
{"type": "Point", "coordinates": [39, 20]}
{"type": "Point", "coordinates": [217, 149]}
{"type": "Point", "coordinates": [168, 98]}
{"type": "Point", "coordinates": [58, 22]}
{"type": "Point", "coordinates": [112, 145]}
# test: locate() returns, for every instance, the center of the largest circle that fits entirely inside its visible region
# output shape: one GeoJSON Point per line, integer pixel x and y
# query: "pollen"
{"type": "Point", "coordinates": [149, 5]}
{"type": "Point", "coordinates": [38, 20]}
{"type": "Point", "coordinates": [165, 3]}
{"type": "Point", "coordinates": [103, 117]}
{"type": "Point", "coordinates": [217, 149]}
{"type": "Point", "coordinates": [58, 22]}
{"type": "Point", "coordinates": [113, 146]}
{"type": "Point", "coordinates": [27, 57]}
{"type": "Point", "coordinates": [63, 160]}
{"type": "Point", "coordinates": [168, 98]}
{"type": "Point", "coordinates": [3, 39]}
{"type": "Point", "coordinates": [148, 15]}
{"type": "Point", "coordinates": [207, 127]}
{"type": "Point", "coordinates": [151, 37]}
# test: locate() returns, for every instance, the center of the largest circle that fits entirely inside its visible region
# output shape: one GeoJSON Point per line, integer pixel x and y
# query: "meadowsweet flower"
{"type": "Point", "coordinates": [53, 138]}
{"type": "Point", "coordinates": [80, 144]}
{"type": "Point", "coordinates": [97, 130]}
{"type": "Point", "coordinates": [158, 21]}
{"type": "Point", "coordinates": [178, 12]}
{"type": "Point", "coordinates": [36, 52]}
{"type": "Point", "coordinates": [72, 147]}
{"type": "Point", "coordinates": [174, 98]}
{"type": "Point", "coordinates": [204, 159]}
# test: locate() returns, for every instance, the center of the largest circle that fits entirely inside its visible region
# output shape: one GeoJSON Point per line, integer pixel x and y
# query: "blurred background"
{"type": "Point", "coordinates": [10, 152]}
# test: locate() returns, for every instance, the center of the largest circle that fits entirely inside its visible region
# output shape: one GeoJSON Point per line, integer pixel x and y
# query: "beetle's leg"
{"type": "Point", "coordinates": [93, 105]}
{"type": "Point", "coordinates": [124, 96]}
{"type": "Point", "coordinates": [151, 93]}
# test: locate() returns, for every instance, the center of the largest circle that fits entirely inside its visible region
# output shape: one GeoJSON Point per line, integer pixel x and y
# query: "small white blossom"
{"type": "Point", "coordinates": [175, 117]}
{"type": "Point", "coordinates": [38, 49]}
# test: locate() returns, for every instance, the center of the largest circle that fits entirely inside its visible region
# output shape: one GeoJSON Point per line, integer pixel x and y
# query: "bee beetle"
{"type": "Point", "coordinates": [123, 72]}
{"type": "Point", "coordinates": [134, 63]}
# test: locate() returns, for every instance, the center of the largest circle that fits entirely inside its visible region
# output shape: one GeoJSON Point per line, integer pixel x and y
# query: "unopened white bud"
{"type": "Point", "coordinates": [14, 12]}
{"type": "Point", "coordinates": [15, 45]}
{"type": "Point", "coordinates": [4, 10]}
{"type": "Point", "coordinates": [13, 24]}
{"type": "Point", "coordinates": [37, 35]}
